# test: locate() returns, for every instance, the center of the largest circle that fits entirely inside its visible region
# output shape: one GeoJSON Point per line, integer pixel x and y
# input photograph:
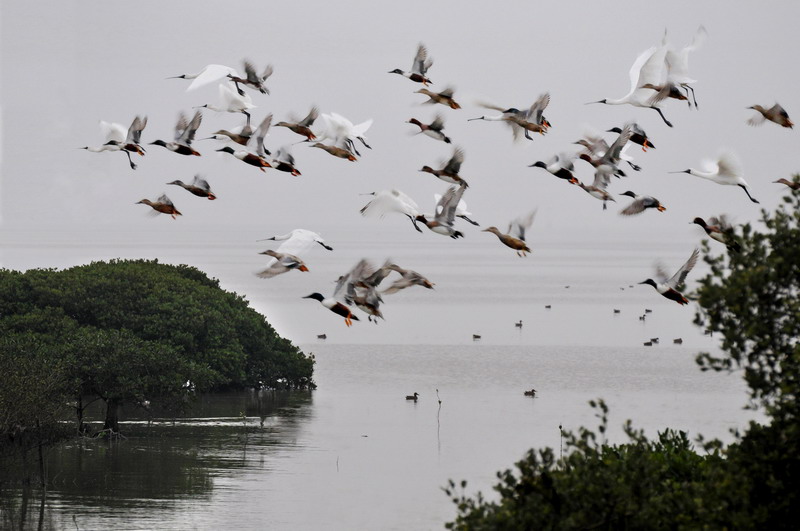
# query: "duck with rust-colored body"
{"type": "Point", "coordinates": [449, 172]}
{"type": "Point", "coordinates": [185, 131]}
{"type": "Point", "coordinates": [444, 97]}
{"type": "Point", "coordinates": [162, 205]}
{"type": "Point", "coordinates": [199, 187]}
{"type": "Point", "coordinates": [515, 237]}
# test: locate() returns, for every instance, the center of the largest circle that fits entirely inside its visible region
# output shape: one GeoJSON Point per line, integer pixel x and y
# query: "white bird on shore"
{"type": "Point", "coordinates": [727, 170]}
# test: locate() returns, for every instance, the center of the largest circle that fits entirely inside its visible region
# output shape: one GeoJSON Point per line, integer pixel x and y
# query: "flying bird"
{"type": "Point", "coordinates": [442, 223]}
{"type": "Point", "coordinates": [669, 287]}
{"type": "Point", "coordinates": [646, 69]}
{"type": "Point", "coordinates": [280, 263]}
{"type": "Point", "coordinates": [303, 127]}
{"type": "Point", "coordinates": [640, 204]}
{"type": "Point", "coordinates": [387, 201]}
{"type": "Point", "coordinates": [207, 75]}
{"type": "Point", "coordinates": [444, 97]}
{"type": "Point", "coordinates": [162, 205]}
{"type": "Point", "coordinates": [419, 68]}
{"type": "Point", "coordinates": [184, 135]}
{"type": "Point", "coordinates": [199, 187]}
{"type": "Point", "coordinates": [677, 63]}
{"type": "Point", "coordinates": [719, 229]}
{"type": "Point", "coordinates": [449, 172]}
{"type": "Point", "coordinates": [118, 139]}
{"type": "Point", "coordinates": [776, 114]}
{"type": "Point", "coordinates": [435, 129]}
{"type": "Point", "coordinates": [726, 170]}
{"type": "Point", "coordinates": [251, 78]}
{"type": "Point", "coordinates": [559, 165]}
{"type": "Point", "coordinates": [231, 101]}
{"type": "Point", "coordinates": [515, 234]}
{"type": "Point", "coordinates": [254, 152]}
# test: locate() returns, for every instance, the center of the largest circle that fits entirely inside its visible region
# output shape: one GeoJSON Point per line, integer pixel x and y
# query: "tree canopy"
{"type": "Point", "coordinates": [751, 297]}
{"type": "Point", "coordinates": [140, 331]}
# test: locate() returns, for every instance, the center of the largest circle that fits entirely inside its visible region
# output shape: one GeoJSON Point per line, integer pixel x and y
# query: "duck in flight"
{"type": "Point", "coordinates": [668, 287]}
{"type": "Point", "coordinates": [419, 69]}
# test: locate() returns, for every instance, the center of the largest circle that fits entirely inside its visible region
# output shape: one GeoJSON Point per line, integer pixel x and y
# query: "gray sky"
{"type": "Point", "coordinates": [67, 65]}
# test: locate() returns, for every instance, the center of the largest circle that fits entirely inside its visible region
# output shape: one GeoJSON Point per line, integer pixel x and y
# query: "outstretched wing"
{"type": "Point", "coordinates": [678, 278]}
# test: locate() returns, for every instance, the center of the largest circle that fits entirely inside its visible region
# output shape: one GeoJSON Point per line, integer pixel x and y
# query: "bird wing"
{"type": "Point", "coordinates": [421, 61]}
{"type": "Point", "coordinates": [284, 155]}
{"type": "Point", "coordinates": [201, 183]}
{"type": "Point", "coordinates": [521, 224]}
{"type": "Point", "coordinates": [211, 74]}
{"type": "Point", "coordinates": [446, 209]}
{"type": "Point", "coordinates": [635, 208]}
{"type": "Point", "coordinates": [454, 164]}
{"type": "Point", "coordinates": [250, 73]}
{"type": "Point", "coordinates": [678, 278]}
{"type": "Point", "coordinates": [438, 123]}
{"type": "Point", "coordinates": [729, 165]}
{"type": "Point", "coordinates": [345, 285]}
{"type": "Point", "coordinates": [135, 130]}
{"type": "Point", "coordinates": [164, 199]}
{"type": "Point", "coordinates": [310, 118]}
{"type": "Point", "coordinates": [113, 132]}
{"type": "Point", "coordinates": [387, 201]}
{"type": "Point", "coordinates": [636, 68]}
{"type": "Point", "coordinates": [232, 99]}
{"type": "Point", "coordinates": [602, 179]}
{"type": "Point", "coordinates": [258, 137]}
{"type": "Point", "coordinates": [448, 92]}
{"type": "Point", "coordinates": [612, 155]}
{"type": "Point", "coordinates": [653, 69]}
{"type": "Point", "coordinates": [534, 114]}
{"type": "Point", "coordinates": [268, 70]}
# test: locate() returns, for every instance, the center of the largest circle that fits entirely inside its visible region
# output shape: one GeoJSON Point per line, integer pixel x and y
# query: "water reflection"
{"type": "Point", "coordinates": [160, 462]}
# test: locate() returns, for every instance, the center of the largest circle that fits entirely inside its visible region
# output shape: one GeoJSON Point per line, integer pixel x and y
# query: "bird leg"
{"type": "Point", "coordinates": [465, 218]}
{"type": "Point", "coordinates": [662, 116]}
{"type": "Point", "coordinates": [365, 144]}
{"type": "Point", "coordinates": [133, 166]}
{"type": "Point", "coordinates": [689, 87]}
{"type": "Point", "coordinates": [248, 117]}
{"type": "Point", "coordinates": [645, 145]}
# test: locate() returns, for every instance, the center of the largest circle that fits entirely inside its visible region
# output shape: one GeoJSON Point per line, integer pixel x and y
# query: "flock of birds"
{"type": "Point", "coordinates": [658, 74]}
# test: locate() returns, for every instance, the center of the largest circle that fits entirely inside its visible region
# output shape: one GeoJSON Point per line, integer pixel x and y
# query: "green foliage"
{"type": "Point", "coordinates": [140, 330]}
{"type": "Point", "coordinates": [752, 299]}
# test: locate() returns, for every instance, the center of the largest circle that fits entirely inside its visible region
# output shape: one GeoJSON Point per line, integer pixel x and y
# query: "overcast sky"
{"type": "Point", "coordinates": [66, 65]}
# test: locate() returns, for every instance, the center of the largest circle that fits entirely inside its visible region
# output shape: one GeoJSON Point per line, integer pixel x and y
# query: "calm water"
{"type": "Point", "coordinates": [354, 454]}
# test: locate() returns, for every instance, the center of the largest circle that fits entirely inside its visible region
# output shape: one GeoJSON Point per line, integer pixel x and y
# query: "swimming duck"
{"type": "Point", "coordinates": [638, 137]}
{"type": "Point", "coordinates": [444, 97]}
{"type": "Point", "coordinates": [515, 237]}
{"type": "Point", "coordinates": [726, 170]}
{"type": "Point", "coordinates": [794, 185]}
{"type": "Point", "coordinates": [518, 324]}
{"type": "Point", "coordinates": [303, 127]}
{"type": "Point", "coordinates": [669, 287]}
{"type": "Point", "coordinates": [184, 135]}
{"type": "Point", "coordinates": [560, 165]}
{"type": "Point", "coordinates": [776, 114]}
{"type": "Point", "coordinates": [284, 161]}
{"type": "Point", "coordinates": [449, 172]}
{"type": "Point", "coordinates": [207, 75]}
{"type": "Point", "coordinates": [719, 228]}
{"type": "Point", "coordinates": [251, 79]}
{"type": "Point", "coordinates": [647, 68]}
{"type": "Point", "coordinates": [254, 153]}
{"type": "Point", "coordinates": [419, 68]}
{"type": "Point", "coordinates": [231, 101]}
{"type": "Point", "coordinates": [446, 212]}
{"type": "Point", "coordinates": [162, 205]}
{"type": "Point", "coordinates": [387, 201]}
{"type": "Point", "coordinates": [199, 187]}
{"type": "Point", "coordinates": [532, 392]}
{"type": "Point", "coordinates": [413, 397]}
{"type": "Point", "coordinates": [640, 204]}
{"type": "Point", "coordinates": [280, 263]}
{"type": "Point", "coordinates": [433, 129]}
